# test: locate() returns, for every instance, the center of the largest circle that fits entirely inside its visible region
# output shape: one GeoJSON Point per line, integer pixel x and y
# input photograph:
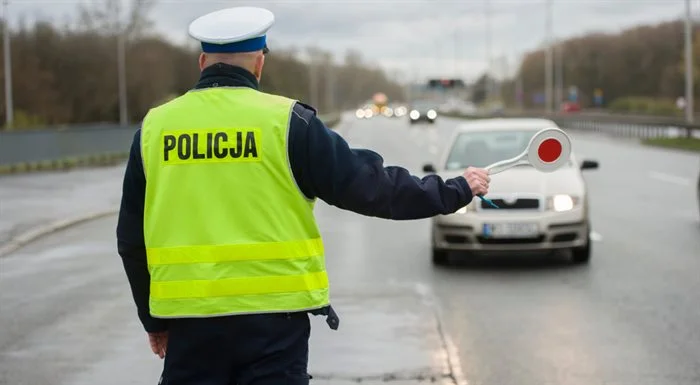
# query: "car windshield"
{"type": "Point", "coordinates": [483, 148]}
{"type": "Point", "coordinates": [423, 105]}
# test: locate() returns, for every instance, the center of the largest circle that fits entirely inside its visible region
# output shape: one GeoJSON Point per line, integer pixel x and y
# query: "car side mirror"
{"type": "Point", "coordinates": [589, 165]}
{"type": "Point", "coordinates": [429, 168]}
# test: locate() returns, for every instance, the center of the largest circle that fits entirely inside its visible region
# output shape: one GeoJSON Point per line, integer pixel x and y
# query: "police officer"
{"type": "Point", "coordinates": [216, 229]}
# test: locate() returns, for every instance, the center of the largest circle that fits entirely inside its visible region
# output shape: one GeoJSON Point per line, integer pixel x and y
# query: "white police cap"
{"type": "Point", "coordinates": [232, 30]}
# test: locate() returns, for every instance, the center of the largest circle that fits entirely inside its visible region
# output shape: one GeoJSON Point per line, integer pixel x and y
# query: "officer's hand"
{"type": "Point", "coordinates": [478, 180]}
{"type": "Point", "coordinates": [159, 343]}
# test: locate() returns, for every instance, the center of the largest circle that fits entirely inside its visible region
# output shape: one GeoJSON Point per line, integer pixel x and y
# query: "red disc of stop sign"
{"type": "Point", "coordinates": [549, 149]}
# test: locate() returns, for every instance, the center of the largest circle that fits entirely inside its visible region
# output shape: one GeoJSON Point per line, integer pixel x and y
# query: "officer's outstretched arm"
{"type": "Point", "coordinates": [357, 179]}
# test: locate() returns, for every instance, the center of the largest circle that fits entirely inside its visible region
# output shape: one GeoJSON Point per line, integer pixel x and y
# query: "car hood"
{"type": "Point", "coordinates": [528, 180]}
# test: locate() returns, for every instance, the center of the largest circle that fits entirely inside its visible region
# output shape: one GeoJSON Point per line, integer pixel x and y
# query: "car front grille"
{"type": "Point", "coordinates": [521, 203]}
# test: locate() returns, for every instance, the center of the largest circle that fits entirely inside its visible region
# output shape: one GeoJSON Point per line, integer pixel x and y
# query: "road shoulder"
{"type": "Point", "coordinates": [383, 336]}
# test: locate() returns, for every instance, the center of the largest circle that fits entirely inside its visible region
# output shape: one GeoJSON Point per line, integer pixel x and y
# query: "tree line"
{"type": "Point", "coordinates": [69, 74]}
{"type": "Point", "coordinates": [641, 70]}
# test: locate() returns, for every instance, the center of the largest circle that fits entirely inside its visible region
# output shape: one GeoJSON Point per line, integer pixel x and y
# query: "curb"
{"type": "Point", "coordinates": [452, 366]}
{"type": "Point", "coordinates": [40, 231]}
{"type": "Point", "coordinates": [63, 164]}
{"type": "Point", "coordinates": [105, 159]}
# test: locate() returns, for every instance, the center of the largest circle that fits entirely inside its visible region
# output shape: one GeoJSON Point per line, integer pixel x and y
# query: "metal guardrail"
{"type": "Point", "coordinates": [643, 127]}
{"type": "Point", "coordinates": [44, 145]}
{"type": "Point", "coordinates": [73, 146]}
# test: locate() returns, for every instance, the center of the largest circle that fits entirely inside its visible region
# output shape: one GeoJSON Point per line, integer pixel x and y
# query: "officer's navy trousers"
{"type": "Point", "coordinates": [266, 349]}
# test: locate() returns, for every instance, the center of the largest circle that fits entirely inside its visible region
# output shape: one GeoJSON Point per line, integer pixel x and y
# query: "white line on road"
{"type": "Point", "coordinates": [596, 237]}
{"type": "Point", "coordinates": [669, 178]}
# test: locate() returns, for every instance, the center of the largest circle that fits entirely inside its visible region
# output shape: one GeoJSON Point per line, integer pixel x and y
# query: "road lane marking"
{"type": "Point", "coordinates": [669, 178]}
{"type": "Point", "coordinates": [596, 237]}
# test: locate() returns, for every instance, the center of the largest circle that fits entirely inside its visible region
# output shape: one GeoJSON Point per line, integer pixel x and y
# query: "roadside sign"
{"type": "Point", "coordinates": [598, 97]}
{"type": "Point", "coordinates": [538, 98]}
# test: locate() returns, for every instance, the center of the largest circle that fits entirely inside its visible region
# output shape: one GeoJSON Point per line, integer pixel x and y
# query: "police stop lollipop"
{"type": "Point", "coordinates": [548, 150]}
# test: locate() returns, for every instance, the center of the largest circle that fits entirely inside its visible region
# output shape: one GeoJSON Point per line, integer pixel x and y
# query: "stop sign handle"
{"type": "Point", "coordinates": [508, 163]}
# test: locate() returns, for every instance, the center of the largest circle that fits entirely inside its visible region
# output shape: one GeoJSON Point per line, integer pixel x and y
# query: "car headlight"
{"type": "Point", "coordinates": [360, 113]}
{"type": "Point", "coordinates": [562, 202]}
{"type": "Point", "coordinates": [432, 114]}
{"type": "Point", "coordinates": [414, 114]}
{"type": "Point", "coordinates": [369, 113]}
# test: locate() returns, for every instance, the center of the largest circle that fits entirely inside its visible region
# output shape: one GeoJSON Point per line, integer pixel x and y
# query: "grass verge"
{"type": "Point", "coordinates": [64, 164]}
{"type": "Point", "coordinates": [687, 144]}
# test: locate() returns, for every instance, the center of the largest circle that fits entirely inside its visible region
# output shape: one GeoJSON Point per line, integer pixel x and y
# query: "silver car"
{"type": "Point", "coordinates": [537, 211]}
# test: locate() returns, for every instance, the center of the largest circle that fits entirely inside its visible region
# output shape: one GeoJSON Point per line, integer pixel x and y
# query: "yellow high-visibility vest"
{"type": "Point", "coordinates": [227, 229]}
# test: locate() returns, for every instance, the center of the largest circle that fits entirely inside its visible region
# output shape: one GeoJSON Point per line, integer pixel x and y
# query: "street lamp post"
{"type": "Point", "coordinates": [456, 52]}
{"type": "Point", "coordinates": [330, 85]}
{"type": "Point", "coordinates": [548, 65]}
{"type": "Point", "coordinates": [559, 75]}
{"type": "Point", "coordinates": [121, 67]}
{"type": "Point", "coordinates": [689, 103]}
{"type": "Point", "coordinates": [489, 85]}
{"type": "Point", "coordinates": [9, 108]}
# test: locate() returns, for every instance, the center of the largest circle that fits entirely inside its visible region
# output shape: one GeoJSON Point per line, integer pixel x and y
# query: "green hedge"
{"type": "Point", "coordinates": [646, 106]}
{"type": "Point", "coordinates": [688, 144]}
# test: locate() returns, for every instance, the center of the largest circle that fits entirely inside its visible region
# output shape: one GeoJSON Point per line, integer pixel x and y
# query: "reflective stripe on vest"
{"type": "Point", "coordinates": [227, 230]}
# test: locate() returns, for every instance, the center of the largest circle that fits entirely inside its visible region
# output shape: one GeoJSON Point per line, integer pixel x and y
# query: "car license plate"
{"type": "Point", "coordinates": [510, 230]}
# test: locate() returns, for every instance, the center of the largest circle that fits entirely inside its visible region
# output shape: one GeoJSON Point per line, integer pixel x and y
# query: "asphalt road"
{"type": "Point", "coordinates": [630, 317]}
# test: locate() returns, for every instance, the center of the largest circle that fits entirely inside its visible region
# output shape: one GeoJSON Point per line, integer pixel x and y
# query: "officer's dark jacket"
{"type": "Point", "coordinates": [323, 166]}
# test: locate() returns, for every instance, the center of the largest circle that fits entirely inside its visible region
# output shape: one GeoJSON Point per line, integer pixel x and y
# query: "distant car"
{"type": "Point", "coordinates": [537, 211]}
{"type": "Point", "coordinates": [570, 107]}
{"type": "Point", "coordinates": [399, 110]}
{"type": "Point", "coordinates": [366, 112]}
{"type": "Point", "coordinates": [422, 111]}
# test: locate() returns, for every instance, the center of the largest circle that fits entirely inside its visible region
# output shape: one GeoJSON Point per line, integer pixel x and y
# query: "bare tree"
{"type": "Point", "coordinates": [104, 16]}
{"type": "Point", "coordinates": [72, 76]}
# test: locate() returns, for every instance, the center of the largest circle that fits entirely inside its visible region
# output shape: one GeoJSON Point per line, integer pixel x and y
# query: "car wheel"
{"type": "Point", "coordinates": [581, 255]}
{"type": "Point", "coordinates": [440, 257]}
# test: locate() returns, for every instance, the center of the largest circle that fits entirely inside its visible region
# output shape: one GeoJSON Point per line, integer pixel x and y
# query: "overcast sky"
{"type": "Point", "coordinates": [411, 38]}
